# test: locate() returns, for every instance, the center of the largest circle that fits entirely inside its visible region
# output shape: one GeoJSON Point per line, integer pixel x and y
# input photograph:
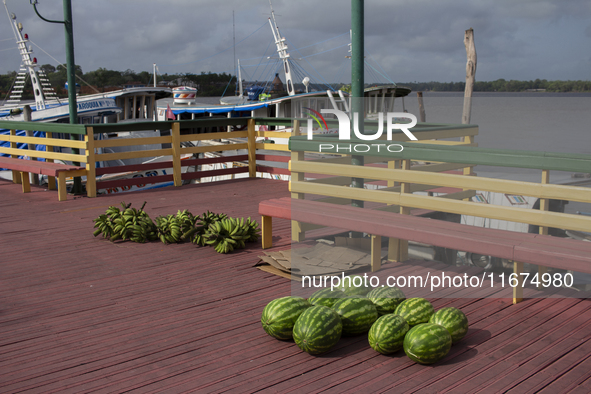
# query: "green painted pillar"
{"type": "Point", "coordinates": [71, 68]}
{"type": "Point", "coordinates": [70, 63]}
{"type": "Point", "coordinates": [357, 80]}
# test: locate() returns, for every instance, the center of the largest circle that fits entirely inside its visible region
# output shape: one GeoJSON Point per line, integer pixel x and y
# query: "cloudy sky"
{"type": "Point", "coordinates": [418, 40]}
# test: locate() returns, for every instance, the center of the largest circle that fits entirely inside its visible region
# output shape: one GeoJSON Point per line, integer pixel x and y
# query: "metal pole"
{"type": "Point", "coordinates": [70, 64]}
{"type": "Point", "coordinates": [357, 80]}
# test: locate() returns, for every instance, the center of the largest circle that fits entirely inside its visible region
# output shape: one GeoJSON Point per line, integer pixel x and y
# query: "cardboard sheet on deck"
{"type": "Point", "coordinates": [346, 255]}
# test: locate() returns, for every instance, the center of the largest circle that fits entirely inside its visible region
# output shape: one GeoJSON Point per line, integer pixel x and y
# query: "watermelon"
{"type": "Point", "coordinates": [386, 335]}
{"type": "Point", "coordinates": [357, 314]}
{"type": "Point", "coordinates": [453, 320]}
{"type": "Point", "coordinates": [355, 285]}
{"type": "Point", "coordinates": [386, 299]}
{"type": "Point", "coordinates": [280, 315]}
{"type": "Point", "coordinates": [427, 343]}
{"type": "Point", "coordinates": [317, 329]}
{"type": "Point", "coordinates": [326, 297]}
{"type": "Point", "coordinates": [415, 311]}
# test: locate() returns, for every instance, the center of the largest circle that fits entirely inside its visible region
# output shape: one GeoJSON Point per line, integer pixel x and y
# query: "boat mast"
{"type": "Point", "coordinates": [240, 91]}
{"type": "Point", "coordinates": [282, 51]}
{"type": "Point", "coordinates": [28, 62]}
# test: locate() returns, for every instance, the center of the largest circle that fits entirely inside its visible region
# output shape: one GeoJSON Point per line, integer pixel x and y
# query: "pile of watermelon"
{"type": "Point", "coordinates": [390, 321]}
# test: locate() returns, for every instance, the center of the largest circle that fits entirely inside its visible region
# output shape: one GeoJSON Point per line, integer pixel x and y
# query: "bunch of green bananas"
{"type": "Point", "coordinates": [202, 224]}
{"type": "Point", "coordinates": [126, 224]}
{"type": "Point", "coordinates": [168, 229]}
{"type": "Point", "coordinates": [187, 221]}
{"type": "Point", "coordinates": [230, 233]}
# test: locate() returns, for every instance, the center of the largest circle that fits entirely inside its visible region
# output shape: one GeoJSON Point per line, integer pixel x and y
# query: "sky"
{"type": "Point", "coordinates": [405, 41]}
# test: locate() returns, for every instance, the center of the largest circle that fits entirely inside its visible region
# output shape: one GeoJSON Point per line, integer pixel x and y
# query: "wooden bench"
{"type": "Point", "coordinates": [544, 250]}
{"type": "Point", "coordinates": [54, 170]}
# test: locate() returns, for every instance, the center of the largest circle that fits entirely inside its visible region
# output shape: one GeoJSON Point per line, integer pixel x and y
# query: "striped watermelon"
{"type": "Point", "coordinates": [355, 285]}
{"type": "Point", "coordinates": [415, 311]}
{"type": "Point", "coordinates": [280, 315]}
{"type": "Point", "coordinates": [427, 343]}
{"type": "Point", "coordinates": [386, 299]}
{"type": "Point", "coordinates": [357, 314]}
{"type": "Point", "coordinates": [454, 320]}
{"type": "Point", "coordinates": [326, 297]}
{"type": "Point", "coordinates": [386, 335]}
{"type": "Point", "coordinates": [317, 330]}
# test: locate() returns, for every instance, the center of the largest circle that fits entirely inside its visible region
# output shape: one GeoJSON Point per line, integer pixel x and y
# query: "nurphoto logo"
{"type": "Point", "coordinates": [345, 130]}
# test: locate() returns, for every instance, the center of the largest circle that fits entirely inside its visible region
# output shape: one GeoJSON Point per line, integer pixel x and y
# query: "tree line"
{"type": "Point", "coordinates": [502, 85]}
{"type": "Point", "coordinates": [103, 80]}
{"type": "Point", "coordinates": [213, 84]}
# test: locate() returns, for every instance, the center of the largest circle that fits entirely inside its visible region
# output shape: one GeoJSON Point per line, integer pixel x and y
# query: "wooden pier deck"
{"type": "Point", "coordinates": [81, 314]}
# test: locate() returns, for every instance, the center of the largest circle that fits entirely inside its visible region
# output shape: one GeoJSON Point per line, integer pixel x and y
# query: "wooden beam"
{"type": "Point", "coordinates": [470, 74]}
{"type": "Point", "coordinates": [176, 153]}
{"type": "Point", "coordinates": [90, 164]}
{"type": "Point", "coordinates": [252, 150]}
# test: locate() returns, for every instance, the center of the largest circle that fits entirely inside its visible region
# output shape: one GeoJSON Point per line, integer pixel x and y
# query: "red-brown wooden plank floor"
{"type": "Point", "coordinates": [81, 314]}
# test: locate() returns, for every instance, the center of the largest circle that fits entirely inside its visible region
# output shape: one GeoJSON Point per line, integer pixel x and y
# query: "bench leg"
{"type": "Point", "coordinates": [267, 231]}
{"type": "Point", "coordinates": [25, 182]}
{"type": "Point", "coordinates": [397, 250]}
{"type": "Point", "coordinates": [518, 290]}
{"type": "Point", "coordinates": [51, 182]}
{"type": "Point", "coordinates": [62, 192]}
{"type": "Point", "coordinates": [16, 177]}
{"type": "Point", "coordinates": [297, 231]}
{"type": "Point", "coordinates": [376, 253]}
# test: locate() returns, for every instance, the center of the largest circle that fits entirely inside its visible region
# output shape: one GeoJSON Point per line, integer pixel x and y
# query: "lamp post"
{"type": "Point", "coordinates": [70, 65]}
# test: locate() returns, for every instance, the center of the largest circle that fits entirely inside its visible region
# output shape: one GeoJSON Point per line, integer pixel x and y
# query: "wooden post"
{"type": "Point", "coordinates": [518, 290]}
{"type": "Point", "coordinates": [376, 253]}
{"type": "Point", "coordinates": [470, 74]}
{"type": "Point", "coordinates": [297, 231]}
{"type": "Point", "coordinates": [544, 206]}
{"type": "Point", "coordinates": [27, 117]}
{"type": "Point", "coordinates": [421, 107]}
{"type": "Point", "coordinates": [49, 148]}
{"type": "Point", "coordinates": [398, 248]}
{"type": "Point", "coordinates": [16, 175]}
{"type": "Point", "coordinates": [90, 163]}
{"type": "Point", "coordinates": [176, 153]}
{"type": "Point", "coordinates": [252, 149]}
{"type": "Point", "coordinates": [267, 231]}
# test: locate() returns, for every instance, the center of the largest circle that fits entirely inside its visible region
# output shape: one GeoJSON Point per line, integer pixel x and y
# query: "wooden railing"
{"type": "Point", "coordinates": [47, 141]}
{"type": "Point", "coordinates": [424, 166]}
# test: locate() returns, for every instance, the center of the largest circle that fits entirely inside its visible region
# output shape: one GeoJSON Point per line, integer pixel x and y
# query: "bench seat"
{"type": "Point", "coordinates": [56, 170]}
{"type": "Point", "coordinates": [545, 250]}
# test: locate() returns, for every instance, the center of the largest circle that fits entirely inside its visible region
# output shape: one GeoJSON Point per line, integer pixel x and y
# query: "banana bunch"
{"type": "Point", "coordinates": [218, 236]}
{"type": "Point", "coordinates": [254, 232]}
{"type": "Point", "coordinates": [202, 224]}
{"type": "Point", "coordinates": [103, 225]}
{"type": "Point", "coordinates": [136, 225]}
{"type": "Point", "coordinates": [168, 229]}
{"type": "Point", "coordinates": [230, 233]}
{"type": "Point", "coordinates": [125, 224]}
{"type": "Point", "coordinates": [187, 221]}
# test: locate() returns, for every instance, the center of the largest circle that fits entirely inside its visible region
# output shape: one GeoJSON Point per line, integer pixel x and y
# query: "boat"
{"type": "Point", "coordinates": [133, 104]}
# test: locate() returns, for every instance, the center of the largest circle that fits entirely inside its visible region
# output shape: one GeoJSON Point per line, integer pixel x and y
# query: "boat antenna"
{"type": "Point", "coordinates": [282, 51]}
